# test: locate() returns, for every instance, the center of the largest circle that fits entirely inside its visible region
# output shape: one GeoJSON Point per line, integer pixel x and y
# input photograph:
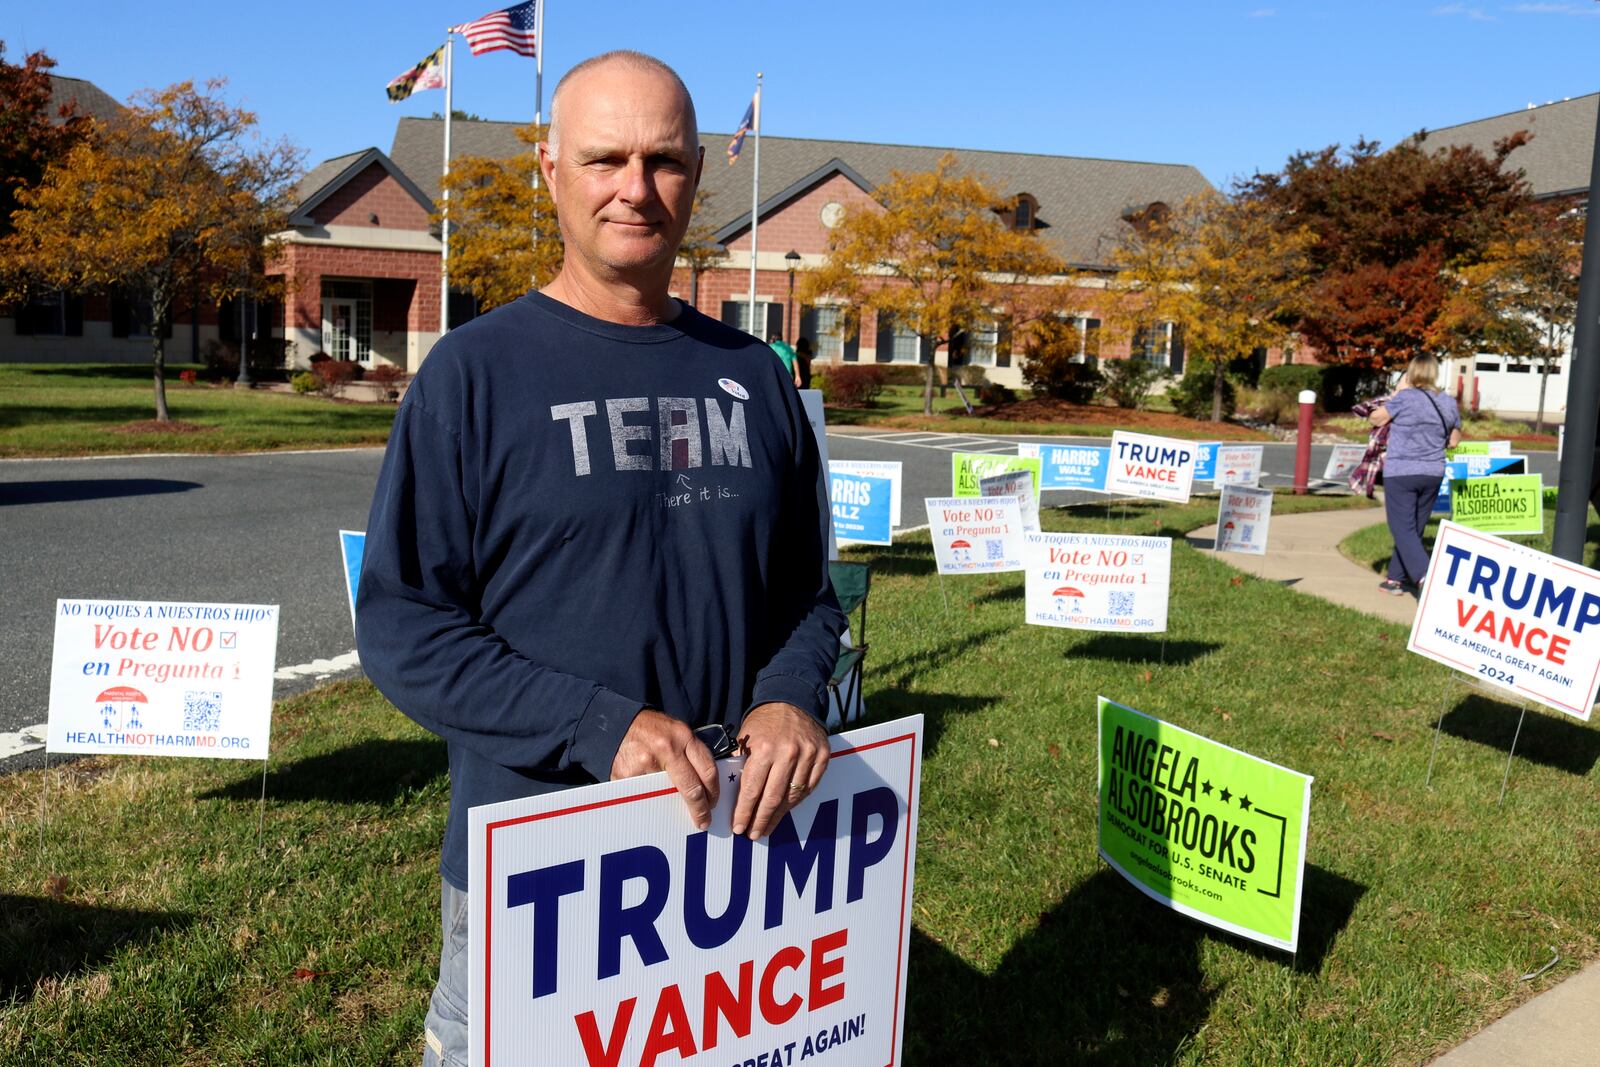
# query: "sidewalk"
{"type": "Point", "coordinates": [1561, 1026]}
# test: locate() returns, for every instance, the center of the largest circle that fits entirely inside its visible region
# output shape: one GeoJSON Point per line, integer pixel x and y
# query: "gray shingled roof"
{"type": "Point", "coordinates": [320, 175]}
{"type": "Point", "coordinates": [91, 99]}
{"type": "Point", "coordinates": [1556, 160]}
{"type": "Point", "coordinates": [1081, 201]}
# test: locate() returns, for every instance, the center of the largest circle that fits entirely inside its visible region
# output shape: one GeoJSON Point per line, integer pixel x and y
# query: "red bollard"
{"type": "Point", "coordinates": [1302, 443]}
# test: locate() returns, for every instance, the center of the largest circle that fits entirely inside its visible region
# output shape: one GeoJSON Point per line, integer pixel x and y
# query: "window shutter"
{"type": "Point", "coordinates": [1002, 343]}
{"type": "Point", "coordinates": [730, 313]}
{"type": "Point", "coordinates": [228, 321]}
{"type": "Point", "coordinates": [23, 318]}
{"type": "Point", "coordinates": [1177, 351]}
{"type": "Point", "coordinates": [166, 325]}
{"type": "Point", "coordinates": [120, 315]}
{"type": "Point", "coordinates": [775, 322]}
{"type": "Point", "coordinates": [885, 337]}
{"type": "Point", "coordinates": [852, 348]}
{"type": "Point", "coordinates": [808, 326]}
{"type": "Point", "coordinates": [72, 314]}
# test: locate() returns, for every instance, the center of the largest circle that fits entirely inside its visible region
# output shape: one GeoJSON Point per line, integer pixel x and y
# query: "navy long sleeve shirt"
{"type": "Point", "coordinates": [576, 520]}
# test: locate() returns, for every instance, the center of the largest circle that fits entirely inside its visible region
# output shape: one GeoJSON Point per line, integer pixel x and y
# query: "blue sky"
{"type": "Point", "coordinates": [1228, 87]}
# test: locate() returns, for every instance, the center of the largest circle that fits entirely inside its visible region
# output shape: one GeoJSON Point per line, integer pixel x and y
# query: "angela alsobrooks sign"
{"type": "Point", "coordinates": [1511, 617]}
{"type": "Point", "coordinates": [606, 930]}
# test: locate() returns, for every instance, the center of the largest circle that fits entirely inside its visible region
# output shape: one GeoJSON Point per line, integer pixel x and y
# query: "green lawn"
{"type": "Point", "coordinates": [143, 926]}
{"type": "Point", "coordinates": [1372, 546]}
{"type": "Point", "coordinates": [1484, 428]}
{"type": "Point", "coordinates": [83, 409]}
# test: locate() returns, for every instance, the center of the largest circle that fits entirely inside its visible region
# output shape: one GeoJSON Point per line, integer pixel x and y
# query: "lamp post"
{"type": "Point", "coordinates": [792, 258]}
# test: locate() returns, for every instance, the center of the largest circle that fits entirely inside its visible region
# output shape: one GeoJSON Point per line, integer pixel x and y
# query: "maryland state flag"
{"type": "Point", "coordinates": [429, 74]}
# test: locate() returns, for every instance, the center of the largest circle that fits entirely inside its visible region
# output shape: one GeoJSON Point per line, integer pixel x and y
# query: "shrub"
{"type": "Point", "coordinates": [850, 386]}
{"type": "Point", "coordinates": [1191, 394]}
{"type": "Point", "coordinates": [993, 394]}
{"type": "Point", "coordinates": [305, 382]}
{"type": "Point", "coordinates": [971, 375]}
{"type": "Point", "coordinates": [902, 373]}
{"type": "Point", "coordinates": [1048, 367]}
{"type": "Point", "coordinates": [1291, 378]}
{"type": "Point", "coordinates": [388, 378]}
{"type": "Point", "coordinates": [1128, 381]}
{"type": "Point", "coordinates": [334, 374]}
{"type": "Point", "coordinates": [188, 377]}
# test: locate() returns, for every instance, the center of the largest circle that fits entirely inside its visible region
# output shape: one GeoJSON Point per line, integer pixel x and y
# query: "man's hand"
{"type": "Point", "coordinates": [786, 752]}
{"type": "Point", "coordinates": [657, 742]}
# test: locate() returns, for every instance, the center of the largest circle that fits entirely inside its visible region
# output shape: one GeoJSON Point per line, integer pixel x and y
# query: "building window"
{"type": "Point", "coordinates": [1486, 368]}
{"type": "Point", "coordinates": [1153, 344]}
{"type": "Point", "coordinates": [983, 341]}
{"type": "Point", "coordinates": [1022, 219]}
{"type": "Point", "coordinates": [769, 317]}
{"type": "Point", "coordinates": [1088, 340]}
{"type": "Point", "coordinates": [1518, 368]}
{"type": "Point", "coordinates": [826, 331]}
{"type": "Point", "coordinates": [904, 345]}
{"type": "Point", "coordinates": [347, 320]}
{"type": "Point", "coordinates": [47, 314]}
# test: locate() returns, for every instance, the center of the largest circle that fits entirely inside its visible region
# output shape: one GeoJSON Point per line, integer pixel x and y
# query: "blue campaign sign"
{"type": "Point", "coordinates": [1070, 466]}
{"type": "Point", "coordinates": [1205, 461]}
{"type": "Point", "coordinates": [1473, 466]}
{"type": "Point", "coordinates": [861, 508]}
{"type": "Point", "coordinates": [352, 543]}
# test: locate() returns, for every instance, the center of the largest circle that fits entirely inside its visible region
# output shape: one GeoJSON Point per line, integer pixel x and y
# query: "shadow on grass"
{"type": "Point", "coordinates": [43, 938]}
{"type": "Point", "coordinates": [1547, 739]}
{"type": "Point", "coordinates": [902, 558]}
{"type": "Point", "coordinates": [368, 772]}
{"type": "Point", "coordinates": [1003, 595]}
{"type": "Point", "coordinates": [907, 669]}
{"type": "Point", "coordinates": [1081, 987]}
{"type": "Point", "coordinates": [14, 416]}
{"type": "Point", "coordinates": [938, 710]}
{"type": "Point", "coordinates": [61, 492]}
{"type": "Point", "coordinates": [1129, 648]}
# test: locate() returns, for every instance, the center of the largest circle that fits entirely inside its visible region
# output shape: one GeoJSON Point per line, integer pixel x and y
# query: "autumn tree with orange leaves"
{"type": "Point", "coordinates": [935, 254]}
{"type": "Point", "coordinates": [503, 234]}
{"type": "Point", "coordinates": [174, 200]}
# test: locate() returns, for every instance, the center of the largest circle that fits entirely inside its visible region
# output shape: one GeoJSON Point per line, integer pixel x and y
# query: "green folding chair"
{"type": "Point", "coordinates": [851, 582]}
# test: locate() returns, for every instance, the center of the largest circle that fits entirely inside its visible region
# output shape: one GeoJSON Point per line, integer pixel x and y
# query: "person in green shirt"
{"type": "Point", "coordinates": [786, 355]}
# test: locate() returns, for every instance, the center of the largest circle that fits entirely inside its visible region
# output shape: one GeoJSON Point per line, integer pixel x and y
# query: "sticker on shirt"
{"type": "Point", "coordinates": [733, 388]}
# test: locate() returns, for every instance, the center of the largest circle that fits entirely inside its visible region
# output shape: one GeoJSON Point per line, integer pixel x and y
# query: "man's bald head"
{"type": "Point", "coordinates": [627, 60]}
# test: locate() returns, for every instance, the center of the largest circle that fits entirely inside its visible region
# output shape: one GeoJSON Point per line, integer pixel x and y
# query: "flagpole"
{"type": "Point", "coordinates": [444, 226]}
{"type": "Point", "coordinates": [538, 122]}
{"type": "Point", "coordinates": [755, 209]}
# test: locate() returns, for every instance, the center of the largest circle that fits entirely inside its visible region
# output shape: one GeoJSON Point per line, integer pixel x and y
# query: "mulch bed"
{"type": "Point", "coordinates": [156, 426]}
{"type": "Point", "coordinates": [1047, 410]}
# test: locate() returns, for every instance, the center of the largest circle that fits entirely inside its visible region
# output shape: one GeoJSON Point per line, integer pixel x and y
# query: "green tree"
{"type": "Point", "coordinates": [933, 253]}
{"type": "Point", "coordinates": [503, 233]}
{"type": "Point", "coordinates": [1228, 274]}
{"type": "Point", "coordinates": [170, 201]}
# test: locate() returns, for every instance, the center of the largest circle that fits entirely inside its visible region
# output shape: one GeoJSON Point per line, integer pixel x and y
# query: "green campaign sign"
{"type": "Point", "coordinates": [1481, 448]}
{"type": "Point", "coordinates": [1509, 504]}
{"type": "Point", "coordinates": [1207, 830]}
{"type": "Point", "coordinates": [968, 468]}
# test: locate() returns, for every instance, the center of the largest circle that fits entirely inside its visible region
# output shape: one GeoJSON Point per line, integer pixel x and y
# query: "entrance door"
{"type": "Point", "coordinates": [338, 328]}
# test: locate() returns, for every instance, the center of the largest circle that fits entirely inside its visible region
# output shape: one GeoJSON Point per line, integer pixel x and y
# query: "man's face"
{"type": "Point", "coordinates": [625, 178]}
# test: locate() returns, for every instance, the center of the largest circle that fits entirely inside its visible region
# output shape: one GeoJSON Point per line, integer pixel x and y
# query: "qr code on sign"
{"type": "Point", "coordinates": [995, 548]}
{"type": "Point", "coordinates": [1121, 605]}
{"type": "Point", "coordinates": [202, 711]}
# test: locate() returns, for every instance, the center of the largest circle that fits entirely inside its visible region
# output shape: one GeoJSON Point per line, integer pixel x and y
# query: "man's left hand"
{"type": "Point", "coordinates": [786, 752]}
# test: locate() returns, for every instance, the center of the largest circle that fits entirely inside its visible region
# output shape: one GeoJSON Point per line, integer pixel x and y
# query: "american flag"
{"type": "Point", "coordinates": [512, 28]}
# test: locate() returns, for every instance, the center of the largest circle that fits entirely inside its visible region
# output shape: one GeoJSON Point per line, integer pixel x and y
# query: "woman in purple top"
{"type": "Point", "coordinates": [1423, 423]}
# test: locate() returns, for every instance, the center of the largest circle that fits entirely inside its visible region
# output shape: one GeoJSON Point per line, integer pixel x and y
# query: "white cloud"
{"type": "Point", "coordinates": [1556, 9]}
{"type": "Point", "coordinates": [1472, 14]}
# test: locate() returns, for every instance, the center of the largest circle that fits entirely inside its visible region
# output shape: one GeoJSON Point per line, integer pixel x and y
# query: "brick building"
{"type": "Point", "coordinates": [1077, 206]}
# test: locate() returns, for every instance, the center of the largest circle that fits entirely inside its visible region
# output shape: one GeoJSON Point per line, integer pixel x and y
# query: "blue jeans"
{"type": "Point", "coordinates": [445, 1042]}
{"type": "Point", "coordinates": [1408, 504]}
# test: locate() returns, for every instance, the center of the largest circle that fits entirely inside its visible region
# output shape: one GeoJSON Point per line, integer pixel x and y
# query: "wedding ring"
{"type": "Point", "coordinates": [796, 787]}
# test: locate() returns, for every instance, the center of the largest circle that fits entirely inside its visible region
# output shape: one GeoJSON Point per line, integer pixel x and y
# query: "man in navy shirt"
{"type": "Point", "coordinates": [598, 524]}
